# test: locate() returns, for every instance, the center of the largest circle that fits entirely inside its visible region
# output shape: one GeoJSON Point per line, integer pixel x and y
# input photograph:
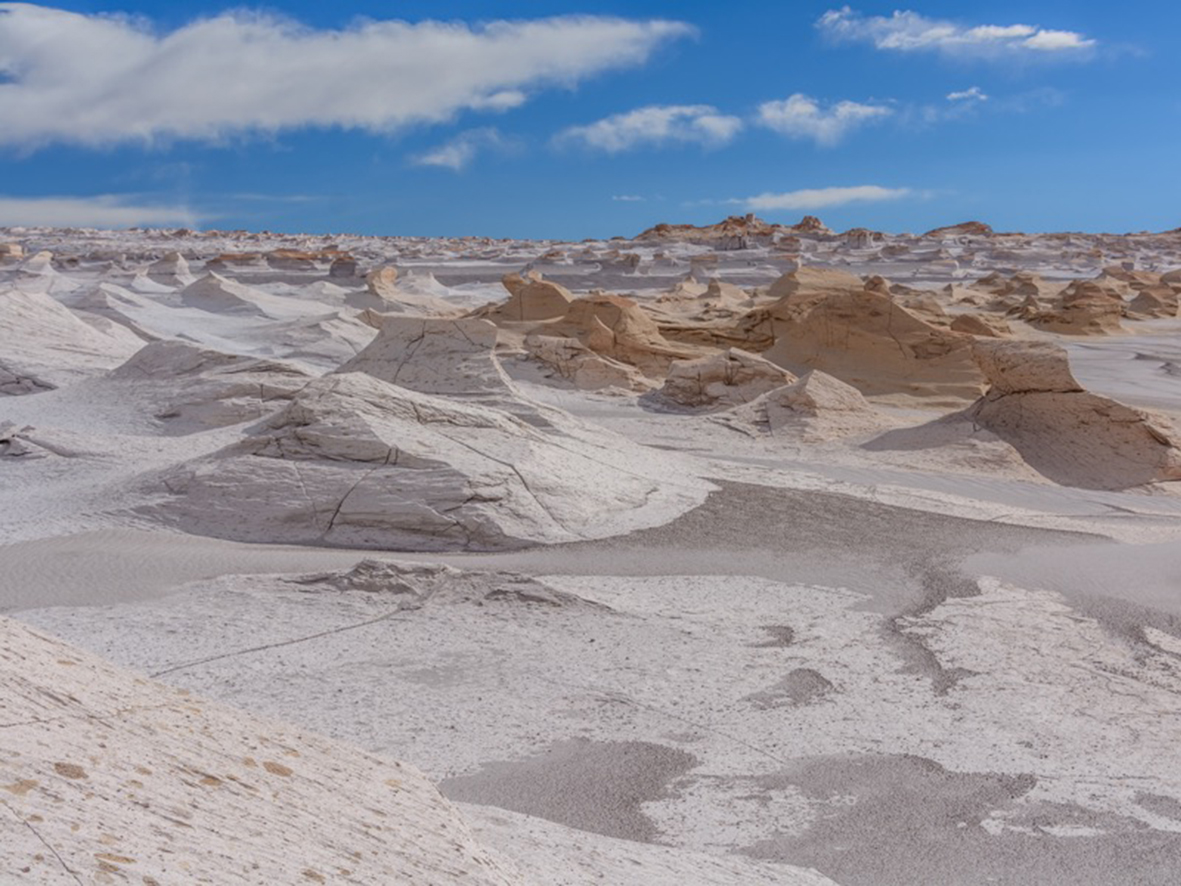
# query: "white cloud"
{"type": "Point", "coordinates": [972, 94]}
{"type": "Point", "coordinates": [655, 125]}
{"type": "Point", "coordinates": [802, 117]}
{"type": "Point", "coordinates": [99, 80]}
{"type": "Point", "coordinates": [459, 152]}
{"type": "Point", "coordinates": [104, 211]}
{"type": "Point", "coordinates": [907, 31]}
{"type": "Point", "coordinates": [628, 198]}
{"type": "Point", "coordinates": [822, 198]}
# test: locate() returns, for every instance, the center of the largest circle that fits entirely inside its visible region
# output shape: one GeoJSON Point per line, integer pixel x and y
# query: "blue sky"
{"type": "Point", "coordinates": [591, 119]}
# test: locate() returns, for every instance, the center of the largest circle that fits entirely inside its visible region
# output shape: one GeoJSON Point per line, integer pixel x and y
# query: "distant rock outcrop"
{"type": "Point", "coordinates": [963, 229]}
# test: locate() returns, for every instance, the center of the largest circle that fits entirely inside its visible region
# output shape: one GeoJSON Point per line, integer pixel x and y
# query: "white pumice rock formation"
{"type": "Point", "coordinates": [44, 345]}
{"type": "Point", "coordinates": [360, 462]}
{"type": "Point", "coordinates": [107, 777]}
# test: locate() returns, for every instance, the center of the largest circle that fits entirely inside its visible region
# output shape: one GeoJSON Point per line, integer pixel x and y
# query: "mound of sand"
{"type": "Point", "coordinates": [110, 778]}
{"type": "Point", "coordinates": [723, 380]}
{"type": "Point", "coordinates": [357, 461]}
{"type": "Point", "coordinates": [1070, 435]}
{"type": "Point", "coordinates": [44, 345]}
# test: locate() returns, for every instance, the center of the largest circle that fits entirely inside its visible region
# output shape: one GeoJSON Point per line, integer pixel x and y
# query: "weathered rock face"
{"type": "Point", "coordinates": [190, 389]}
{"type": "Point", "coordinates": [963, 229]}
{"type": "Point", "coordinates": [617, 327]}
{"type": "Point", "coordinates": [132, 781]}
{"type": "Point", "coordinates": [867, 340]}
{"type": "Point", "coordinates": [816, 407]}
{"type": "Point", "coordinates": [987, 325]}
{"type": "Point", "coordinates": [809, 282]}
{"type": "Point", "coordinates": [531, 298]}
{"type": "Point", "coordinates": [1085, 307]}
{"type": "Point", "coordinates": [11, 252]}
{"type": "Point", "coordinates": [570, 360]}
{"type": "Point", "coordinates": [382, 282]}
{"type": "Point", "coordinates": [1154, 302]}
{"type": "Point", "coordinates": [1070, 435]}
{"type": "Point", "coordinates": [722, 380]}
{"type": "Point", "coordinates": [433, 356]}
{"type": "Point", "coordinates": [357, 461]}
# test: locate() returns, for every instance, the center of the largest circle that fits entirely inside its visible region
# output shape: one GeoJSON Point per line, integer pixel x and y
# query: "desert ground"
{"type": "Point", "coordinates": [735, 554]}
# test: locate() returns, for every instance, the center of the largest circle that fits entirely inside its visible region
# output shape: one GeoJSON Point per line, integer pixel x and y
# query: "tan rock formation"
{"type": "Point", "coordinates": [811, 281]}
{"type": "Point", "coordinates": [987, 325]}
{"type": "Point", "coordinates": [722, 380]}
{"type": "Point", "coordinates": [1085, 307]}
{"type": "Point", "coordinates": [571, 361]}
{"type": "Point", "coordinates": [867, 340]}
{"type": "Point", "coordinates": [816, 407]}
{"type": "Point", "coordinates": [531, 298]}
{"type": "Point", "coordinates": [1154, 301]}
{"type": "Point", "coordinates": [963, 229]}
{"type": "Point", "coordinates": [617, 327]}
{"type": "Point", "coordinates": [1067, 434]}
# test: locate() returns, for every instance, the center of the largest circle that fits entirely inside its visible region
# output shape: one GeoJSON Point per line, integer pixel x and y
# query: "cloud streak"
{"type": "Point", "coordinates": [802, 117]}
{"type": "Point", "coordinates": [458, 153]}
{"type": "Point", "coordinates": [823, 198]}
{"type": "Point", "coordinates": [100, 80]}
{"type": "Point", "coordinates": [104, 211]}
{"type": "Point", "coordinates": [653, 126]}
{"type": "Point", "coordinates": [907, 31]}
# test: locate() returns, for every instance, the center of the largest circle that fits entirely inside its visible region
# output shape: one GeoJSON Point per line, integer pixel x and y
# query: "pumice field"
{"type": "Point", "coordinates": [743, 553]}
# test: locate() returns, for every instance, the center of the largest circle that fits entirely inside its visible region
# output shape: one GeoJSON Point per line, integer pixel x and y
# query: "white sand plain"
{"type": "Point", "coordinates": [814, 637]}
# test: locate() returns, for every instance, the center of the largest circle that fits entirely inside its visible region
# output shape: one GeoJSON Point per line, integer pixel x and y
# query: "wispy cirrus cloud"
{"type": "Point", "coordinates": [459, 152]}
{"type": "Point", "coordinates": [907, 31]}
{"type": "Point", "coordinates": [102, 211]}
{"type": "Point", "coordinates": [655, 125]}
{"type": "Point", "coordinates": [801, 116]}
{"type": "Point", "coordinates": [99, 80]}
{"type": "Point", "coordinates": [823, 198]}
